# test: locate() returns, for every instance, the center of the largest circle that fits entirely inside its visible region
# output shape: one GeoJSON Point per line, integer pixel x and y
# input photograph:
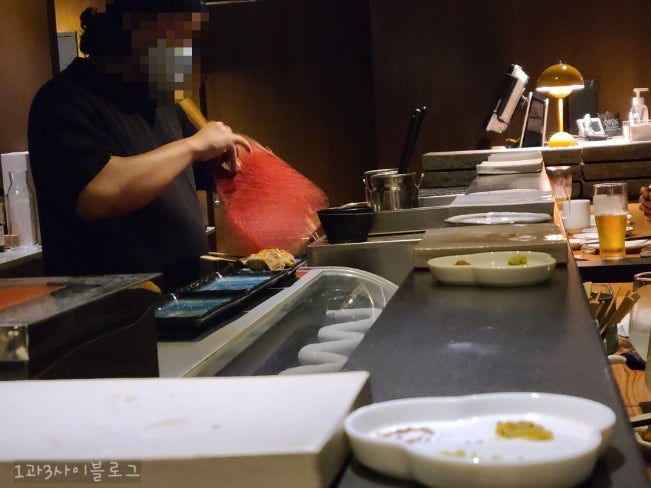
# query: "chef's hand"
{"type": "Point", "coordinates": [645, 201]}
{"type": "Point", "coordinates": [217, 141]}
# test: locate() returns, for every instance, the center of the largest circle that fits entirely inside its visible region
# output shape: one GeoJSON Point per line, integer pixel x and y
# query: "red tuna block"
{"type": "Point", "coordinates": [267, 204]}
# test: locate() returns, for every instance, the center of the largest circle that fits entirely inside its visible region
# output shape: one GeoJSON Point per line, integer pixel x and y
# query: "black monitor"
{"type": "Point", "coordinates": [535, 121]}
{"type": "Point", "coordinates": [507, 99]}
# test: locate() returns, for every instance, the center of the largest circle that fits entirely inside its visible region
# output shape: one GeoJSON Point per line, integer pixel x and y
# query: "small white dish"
{"type": "Point", "coordinates": [492, 268]}
{"type": "Point", "coordinates": [452, 441]}
{"type": "Point", "coordinates": [575, 244]}
{"type": "Point", "coordinates": [489, 218]}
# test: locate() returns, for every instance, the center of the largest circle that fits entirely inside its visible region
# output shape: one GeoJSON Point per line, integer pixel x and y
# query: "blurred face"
{"type": "Point", "coordinates": [163, 54]}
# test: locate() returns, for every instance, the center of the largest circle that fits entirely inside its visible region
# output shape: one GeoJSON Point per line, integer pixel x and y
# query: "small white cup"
{"type": "Point", "coordinates": [575, 215]}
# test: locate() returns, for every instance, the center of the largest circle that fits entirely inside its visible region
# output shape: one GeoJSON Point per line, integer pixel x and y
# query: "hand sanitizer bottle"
{"type": "Point", "coordinates": [639, 113]}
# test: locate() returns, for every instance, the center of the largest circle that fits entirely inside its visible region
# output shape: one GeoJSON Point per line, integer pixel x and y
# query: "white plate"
{"type": "Point", "coordinates": [631, 245]}
{"type": "Point", "coordinates": [492, 268]}
{"type": "Point", "coordinates": [451, 441]}
{"type": "Point", "coordinates": [586, 236]}
{"type": "Point", "coordinates": [593, 230]}
{"type": "Point", "coordinates": [499, 218]}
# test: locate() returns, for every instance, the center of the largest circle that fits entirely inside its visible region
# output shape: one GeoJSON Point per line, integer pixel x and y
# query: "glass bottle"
{"type": "Point", "coordinates": [21, 210]}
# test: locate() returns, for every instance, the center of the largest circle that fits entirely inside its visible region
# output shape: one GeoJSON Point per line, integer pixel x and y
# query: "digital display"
{"type": "Point", "coordinates": [535, 122]}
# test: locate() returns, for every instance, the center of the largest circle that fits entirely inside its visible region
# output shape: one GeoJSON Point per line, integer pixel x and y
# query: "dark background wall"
{"type": "Point", "coordinates": [329, 84]}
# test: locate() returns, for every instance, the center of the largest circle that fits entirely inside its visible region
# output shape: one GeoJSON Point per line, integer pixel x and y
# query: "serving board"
{"type": "Point", "coordinates": [271, 431]}
{"type": "Point", "coordinates": [447, 241]}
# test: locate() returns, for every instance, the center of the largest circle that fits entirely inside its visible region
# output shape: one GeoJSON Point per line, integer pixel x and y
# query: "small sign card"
{"type": "Point", "coordinates": [611, 123]}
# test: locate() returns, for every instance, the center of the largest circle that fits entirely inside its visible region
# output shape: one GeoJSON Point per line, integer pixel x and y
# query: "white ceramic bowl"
{"type": "Point", "coordinates": [451, 441]}
{"type": "Point", "coordinates": [493, 268]}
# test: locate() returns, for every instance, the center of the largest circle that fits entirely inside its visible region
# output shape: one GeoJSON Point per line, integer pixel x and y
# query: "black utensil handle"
{"type": "Point", "coordinates": [415, 121]}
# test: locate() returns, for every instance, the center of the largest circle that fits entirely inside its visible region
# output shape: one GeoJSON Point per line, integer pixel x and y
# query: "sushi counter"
{"type": "Point", "coordinates": [252, 408]}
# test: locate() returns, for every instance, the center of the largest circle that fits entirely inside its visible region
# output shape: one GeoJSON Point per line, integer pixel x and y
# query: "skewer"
{"type": "Point", "coordinates": [612, 303]}
{"type": "Point", "coordinates": [621, 311]}
{"type": "Point", "coordinates": [225, 255]}
{"type": "Point", "coordinates": [218, 258]}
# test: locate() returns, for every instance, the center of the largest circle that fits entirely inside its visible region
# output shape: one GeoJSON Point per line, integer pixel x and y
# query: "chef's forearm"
{"type": "Point", "coordinates": [126, 184]}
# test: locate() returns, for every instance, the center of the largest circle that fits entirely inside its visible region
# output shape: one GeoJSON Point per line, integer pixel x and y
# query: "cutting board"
{"type": "Point", "coordinates": [271, 431]}
{"type": "Point", "coordinates": [449, 241]}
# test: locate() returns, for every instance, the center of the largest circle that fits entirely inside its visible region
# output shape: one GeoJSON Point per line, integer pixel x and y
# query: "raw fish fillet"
{"type": "Point", "coordinates": [268, 204]}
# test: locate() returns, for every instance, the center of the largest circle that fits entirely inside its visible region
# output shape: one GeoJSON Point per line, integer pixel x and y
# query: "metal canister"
{"type": "Point", "coordinates": [393, 191]}
{"type": "Point", "coordinates": [368, 189]}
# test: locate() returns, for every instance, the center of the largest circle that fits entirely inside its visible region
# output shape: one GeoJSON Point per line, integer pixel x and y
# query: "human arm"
{"type": "Point", "coordinates": [126, 184]}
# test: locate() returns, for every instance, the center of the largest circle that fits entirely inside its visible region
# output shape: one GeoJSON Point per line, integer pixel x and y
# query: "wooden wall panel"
{"type": "Point", "coordinates": [296, 75]}
{"type": "Point", "coordinates": [25, 64]}
{"type": "Point", "coordinates": [450, 56]}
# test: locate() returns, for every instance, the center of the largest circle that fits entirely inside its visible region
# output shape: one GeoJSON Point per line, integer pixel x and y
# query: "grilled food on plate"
{"type": "Point", "coordinates": [273, 259]}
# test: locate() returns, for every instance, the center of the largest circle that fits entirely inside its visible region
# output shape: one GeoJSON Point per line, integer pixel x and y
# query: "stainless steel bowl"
{"type": "Point", "coordinates": [394, 191]}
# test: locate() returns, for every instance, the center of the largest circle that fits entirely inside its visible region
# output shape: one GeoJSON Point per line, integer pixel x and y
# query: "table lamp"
{"type": "Point", "coordinates": [559, 80]}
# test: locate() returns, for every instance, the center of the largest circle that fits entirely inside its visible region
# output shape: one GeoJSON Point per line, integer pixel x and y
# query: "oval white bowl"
{"type": "Point", "coordinates": [492, 268]}
{"type": "Point", "coordinates": [451, 441]}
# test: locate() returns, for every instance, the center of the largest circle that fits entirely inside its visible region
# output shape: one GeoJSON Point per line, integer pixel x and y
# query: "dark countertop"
{"type": "Point", "coordinates": [441, 340]}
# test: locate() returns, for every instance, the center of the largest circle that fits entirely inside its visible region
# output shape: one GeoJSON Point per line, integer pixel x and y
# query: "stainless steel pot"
{"type": "Point", "coordinates": [393, 191]}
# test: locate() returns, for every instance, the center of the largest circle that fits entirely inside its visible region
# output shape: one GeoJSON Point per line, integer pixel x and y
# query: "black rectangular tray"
{"type": "Point", "coordinates": [201, 305]}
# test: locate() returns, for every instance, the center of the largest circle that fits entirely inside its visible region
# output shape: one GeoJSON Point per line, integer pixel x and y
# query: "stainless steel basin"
{"type": "Point", "coordinates": [430, 213]}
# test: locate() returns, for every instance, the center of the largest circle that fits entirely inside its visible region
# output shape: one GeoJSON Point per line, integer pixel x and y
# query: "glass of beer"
{"type": "Point", "coordinates": [610, 208]}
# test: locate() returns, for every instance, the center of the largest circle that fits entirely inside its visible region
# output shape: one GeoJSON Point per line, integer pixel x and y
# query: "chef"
{"type": "Point", "coordinates": [115, 161]}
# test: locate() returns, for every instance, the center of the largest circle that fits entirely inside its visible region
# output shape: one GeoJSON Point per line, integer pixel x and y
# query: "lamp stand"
{"type": "Point", "coordinates": [561, 138]}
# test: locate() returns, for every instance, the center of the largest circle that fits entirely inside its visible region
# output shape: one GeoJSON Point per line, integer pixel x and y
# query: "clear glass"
{"type": "Point", "coordinates": [560, 179]}
{"type": "Point", "coordinates": [21, 210]}
{"type": "Point", "coordinates": [610, 208]}
{"type": "Point", "coordinates": [639, 325]}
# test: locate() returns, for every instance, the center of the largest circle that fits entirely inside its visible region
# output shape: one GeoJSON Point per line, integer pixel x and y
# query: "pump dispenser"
{"type": "Point", "coordinates": [639, 113]}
